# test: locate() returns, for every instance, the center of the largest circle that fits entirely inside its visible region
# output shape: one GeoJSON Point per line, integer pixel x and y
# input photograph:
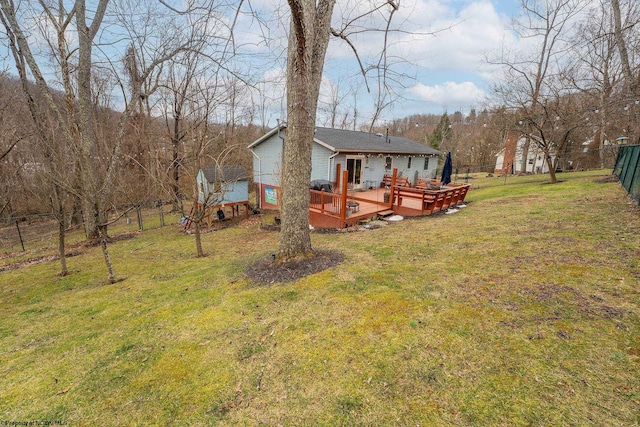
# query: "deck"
{"type": "Point", "coordinates": [333, 210]}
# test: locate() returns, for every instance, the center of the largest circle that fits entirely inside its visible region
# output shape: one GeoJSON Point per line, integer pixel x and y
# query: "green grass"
{"type": "Point", "coordinates": [521, 309]}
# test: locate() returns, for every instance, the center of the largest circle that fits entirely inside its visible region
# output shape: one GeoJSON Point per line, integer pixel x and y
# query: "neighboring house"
{"type": "Point", "coordinates": [509, 159]}
{"type": "Point", "coordinates": [366, 156]}
{"type": "Point", "coordinates": [226, 185]}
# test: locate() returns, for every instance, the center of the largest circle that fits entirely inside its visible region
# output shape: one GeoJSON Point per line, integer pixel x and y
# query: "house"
{"type": "Point", "coordinates": [220, 188]}
{"type": "Point", "coordinates": [509, 159]}
{"type": "Point", "coordinates": [222, 185]}
{"type": "Point", "coordinates": [367, 157]}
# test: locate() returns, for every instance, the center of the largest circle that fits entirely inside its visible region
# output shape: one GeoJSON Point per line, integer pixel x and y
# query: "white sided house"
{"type": "Point", "coordinates": [509, 159]}
{"type": "Point", "coordinates": [367, 157]}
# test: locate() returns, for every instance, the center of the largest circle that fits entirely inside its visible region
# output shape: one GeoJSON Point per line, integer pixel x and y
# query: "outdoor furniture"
{"type": "Point", "coordinates": [428, 184]}
{"type": "Point", "coordinates": [353, 206]}
{"type": "Point", "coordinates": [321, 184]}
{"type": "Point", "coordinates": [401, 181]}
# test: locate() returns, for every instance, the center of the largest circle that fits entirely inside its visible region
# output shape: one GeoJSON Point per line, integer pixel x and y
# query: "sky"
{"type": "Point", "coordinates": [437, 52]}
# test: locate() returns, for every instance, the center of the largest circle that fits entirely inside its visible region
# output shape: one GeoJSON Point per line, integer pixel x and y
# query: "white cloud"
{"type": "Point", "coordinates": [443, 44]}
{"type": "Point", "coordinates": [449, 94]}
{"type": "Point", "coordinates": [461, 41]}
{"type": "Point", "coordinates": [432, 34]}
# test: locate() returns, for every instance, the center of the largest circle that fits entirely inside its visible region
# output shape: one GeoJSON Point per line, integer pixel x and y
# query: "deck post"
{"type": "Point", "coordinates": [338, 175]}
{"type": "Point", "coordinates": [393, 185]}
{"type": "Point", "coordinates": [343, 199]}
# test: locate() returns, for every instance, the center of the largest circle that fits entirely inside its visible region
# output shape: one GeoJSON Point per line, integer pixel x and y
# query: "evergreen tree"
{"type": "Point", "coordinates": [441, 133]}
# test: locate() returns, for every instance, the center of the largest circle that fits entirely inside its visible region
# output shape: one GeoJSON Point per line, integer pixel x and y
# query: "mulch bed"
{"type": "Point", "coordinates": [268, 271]}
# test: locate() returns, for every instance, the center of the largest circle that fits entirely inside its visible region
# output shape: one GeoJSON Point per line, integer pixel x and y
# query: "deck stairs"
{"type": "Point", "coordinates": [385, 214]}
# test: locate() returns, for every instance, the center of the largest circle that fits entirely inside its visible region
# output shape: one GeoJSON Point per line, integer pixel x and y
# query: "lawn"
{"type": "Point", "coordinates": [520, 309]}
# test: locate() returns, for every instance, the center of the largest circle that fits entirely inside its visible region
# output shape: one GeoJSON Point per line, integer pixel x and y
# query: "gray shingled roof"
{"type": "Point", "coordinates": [225, 173]}
{"type": "Point", "coordinates": [365, 142]}
{"type": "Point", "coordinates": [360, 142]}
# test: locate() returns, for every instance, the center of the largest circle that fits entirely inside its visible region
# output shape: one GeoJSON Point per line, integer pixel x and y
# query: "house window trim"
{"type": "Point", "coordinates": [388, 160]}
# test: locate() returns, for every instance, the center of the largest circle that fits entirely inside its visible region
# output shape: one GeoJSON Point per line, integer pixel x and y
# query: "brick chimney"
{"type": "Point", "coordinates": [510, 146]}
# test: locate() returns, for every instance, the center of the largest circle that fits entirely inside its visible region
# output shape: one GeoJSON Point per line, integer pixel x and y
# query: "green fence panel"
{"type": "Point", "coordinates": [627, 169]}
{"type": "Point", "coordinates": [631, 167]}
{"type": "Point", "coordinates": [617, 169]}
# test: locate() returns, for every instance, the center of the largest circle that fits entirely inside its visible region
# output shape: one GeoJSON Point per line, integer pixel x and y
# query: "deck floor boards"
{"type": "Point", "coordinates": [371, 203]}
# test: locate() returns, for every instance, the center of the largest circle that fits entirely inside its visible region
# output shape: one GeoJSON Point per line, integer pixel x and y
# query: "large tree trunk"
{"type": "Point", "coordinates": [296, 174]}
{"type": "Point", "coordinates": [308, 41]}
{"type": "Point", "coordinates": [552, 167]}
{"type": "Point", "coordinates": [605, 96]}
{"type": "Point", "coordinates": [92, 190]}
{"type": "Point", "coordinates": [622, 45]}
{"type": "Point", "coordinates": [91, 206]}
{"type": "Point", "coordinates": [198, 215]}
{"type": "Point", "coordinates": [294, 236]}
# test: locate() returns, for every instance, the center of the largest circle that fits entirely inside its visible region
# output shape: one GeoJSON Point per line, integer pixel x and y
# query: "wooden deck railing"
{"type": "Point", "coordinates": [340, 209]}
{"type": "Point", "coordinates": [428, 184]}
{"type": "Point", "coordinates": [327, 203]}
{"type": "Point", "coordinates": [401, 181]}
{"type": "Point", "coordinates": [432, 200]}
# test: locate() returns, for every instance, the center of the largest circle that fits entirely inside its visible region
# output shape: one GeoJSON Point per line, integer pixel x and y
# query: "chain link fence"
{"type": "Point", "coordinates": [627, 169]}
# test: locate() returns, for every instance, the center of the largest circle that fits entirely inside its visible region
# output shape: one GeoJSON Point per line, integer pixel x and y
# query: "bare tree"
{"type": "Point", "coordinates": [597, 73]}
{"type": "Point", "coordinates": [203, 199]}
{"type": "Point", "coordinates": [176, 88]}
{"type": "Point", "coordinates": [189, 84]}
{"type": "Point", "coordinates": [532, 79]}
{"type": "Point", "coordinates": [308, 41]}
{"type": "Point", "coordinates": [310, 29]}
{"type": "Point", "coordinates": [619, 31]}
{"type": "Point", "coordinates": [12, 137]}
{"type": "Point", "coordinates": [200, 135]}
{"type": "Point", "coordinates": [77, 122]}
{"type": "Point", "coordinates": [336, 114]}
{"type": "Point", "coordinates": [626, 19]}
{"type": "Point", "coordinates": [46, 120]}
{"type": "Point", "coordinates": [196, 93]}
{"type": "Point", "coordinates": [205, 150]}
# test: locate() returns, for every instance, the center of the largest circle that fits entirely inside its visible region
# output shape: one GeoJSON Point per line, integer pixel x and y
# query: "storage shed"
{"type": "Point", "coordinates": [225, 185]}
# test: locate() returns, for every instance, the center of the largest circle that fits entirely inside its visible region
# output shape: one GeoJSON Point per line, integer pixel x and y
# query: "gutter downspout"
{"type": "Point", "coordinates": [329, 165]}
